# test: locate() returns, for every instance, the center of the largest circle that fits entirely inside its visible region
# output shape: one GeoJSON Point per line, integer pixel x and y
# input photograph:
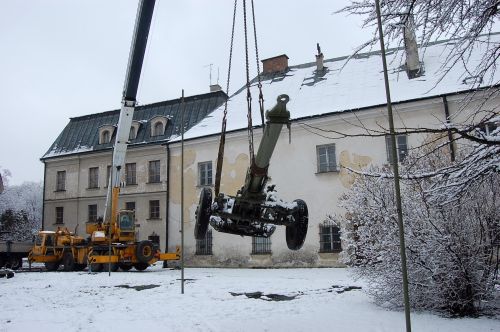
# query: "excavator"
{"type": "Point", "coordinates": [112, 242]}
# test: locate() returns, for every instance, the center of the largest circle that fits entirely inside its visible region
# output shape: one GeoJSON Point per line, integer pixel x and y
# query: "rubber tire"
{"type": "Point", "coordinates": [68, 262]}
{"type": "Point", "coordinates": [15, 263]}
{"type": "Point", "coordinates": [144, 251]}
{"type": "Point", "coordinates": [125, 267]}
{"type": "Point", "coordinates": [296, 233]}
{"type": "Point", "coordinates": [105, 266]}
{"type": "Point", "coordinates": [203, 212]}
{"type": "Point", "coordinates": [52, 266]}
{"type": "Point", "coordinates": [141, 266]}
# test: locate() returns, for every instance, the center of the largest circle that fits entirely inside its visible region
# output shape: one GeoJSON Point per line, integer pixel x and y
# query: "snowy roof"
{"type": "Point", "coordinates": [359, 84]}
{"type": "Point", "coordinates": [81, 133]}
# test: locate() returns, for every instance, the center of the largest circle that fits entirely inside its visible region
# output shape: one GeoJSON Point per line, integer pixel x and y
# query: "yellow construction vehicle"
{"type": "Point", "coordinates": [112, 242]}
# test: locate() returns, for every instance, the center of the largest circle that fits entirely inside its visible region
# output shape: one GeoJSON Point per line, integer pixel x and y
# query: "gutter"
{"type": "Point", "coordinates": [165, 263]}
{"type": "Point", "coordinates": [43, 194]}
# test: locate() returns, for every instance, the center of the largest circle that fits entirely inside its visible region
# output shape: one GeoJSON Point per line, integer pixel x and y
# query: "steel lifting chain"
{"type": "Point", "coordinates": [220, 156]}
{"type": "Point", "coordinates": [249, 94]}
{"type": "Point", "coordinates": [261, 96]}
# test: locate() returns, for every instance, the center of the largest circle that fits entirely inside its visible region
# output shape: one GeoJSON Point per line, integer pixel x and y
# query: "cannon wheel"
{"type": "Point", "coordinates": [203, 214]}
{"type": "Point", "coordinates": [296, 233]}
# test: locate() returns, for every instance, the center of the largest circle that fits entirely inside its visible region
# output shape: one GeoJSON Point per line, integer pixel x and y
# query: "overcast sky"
{"type": "Point", "coordinates": [62, 59]}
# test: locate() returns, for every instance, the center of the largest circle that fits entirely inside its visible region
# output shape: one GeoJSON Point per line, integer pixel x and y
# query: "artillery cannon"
{"type": "Point", "coordinates": [256, 210]}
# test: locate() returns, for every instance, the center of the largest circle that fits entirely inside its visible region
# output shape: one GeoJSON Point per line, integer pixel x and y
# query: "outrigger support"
{"type": "Point", "coordinates": [256, 210]}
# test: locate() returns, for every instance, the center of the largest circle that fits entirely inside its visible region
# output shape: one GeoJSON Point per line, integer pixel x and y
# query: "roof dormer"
{"type": "Point", "coordinates": [158, 125]}
{"type": "Point", "coordinates": [106, 133]}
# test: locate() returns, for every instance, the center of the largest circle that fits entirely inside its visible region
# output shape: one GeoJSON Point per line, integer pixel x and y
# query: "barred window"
{"type": "Point", "coordinates": [61, 181]}
{"type": "Point", "coordinates": [205, 173]}
{"type": "Point", "coordinates": [402, 147]}
{"type": "Point", "coordinates": [204, 246]}
{"type": "Point", "coordinates": [329, 237]}
{"type": "Point", "coordinates": [326, 158]}
{"type": "Point", "coordinates": [59, 215]}
{"type": "Point", "coordinates": [94, 177]}
{"type": "Point", "coordinates": [130, 206]}
{"type": "Point", "coordinates": [154, 171]}
{"type": "Point", "coordinates": [155, 238]}
{"type": "Point", "coordinates": [154, 209]}
{"type": "Point", "coordinates": [261, 245]}
{"type": "Point", "coordinates": [93, 213]}
{"type": "Point", "coordinates": [130, 175]}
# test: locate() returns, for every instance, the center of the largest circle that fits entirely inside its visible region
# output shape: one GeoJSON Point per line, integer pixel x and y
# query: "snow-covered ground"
{"type": "Point", "coordinates": [78, 301]}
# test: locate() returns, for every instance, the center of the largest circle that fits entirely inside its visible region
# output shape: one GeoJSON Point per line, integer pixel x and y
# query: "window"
{"type": "Point", "coordinates": [92, 213]}
{"type": "Point", "coordinates": [131, 135]}
{"type": "Point", "coordinates": [154, 209]}
{"type": "Point", "coordinates": [130, 175]}
{"type": "Point", "coordinates": [108, 174]}
{"type": "Point", "coordinates": [59, 215]}
{"type": "Point", "coordinates": [204, 246]}
{"type": "Point", "coordinates": [94, 177]}
{"type": "Point", "coordinates": [326, 158]}
{"type": "Point", "coordinates": [106, 137]}
{"type": "Point", "coordinates": [158, 129]}
{"type": "Point", "coordinates": [130, 206]}
{"type": "Point", "coordinates": [154, 171]}
{"type": "Point", "coordinates": [61, 181]}
{"type": "Point", "coordinates": [329, 237]}
{"type": "Point", "coordinates": [155, 238]}
{"type": "Point", "coordinates": [402, 143]}
{"type": "Point", "coordinates": [261, 245]}
{"type": "Point", "coordinates": [205, 173]}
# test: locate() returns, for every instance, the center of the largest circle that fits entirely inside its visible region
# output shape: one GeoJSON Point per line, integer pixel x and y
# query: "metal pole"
{"type": "Point", "coordinates": [182, 193]}
{"type": "Point", "coordinates": [395, 165]}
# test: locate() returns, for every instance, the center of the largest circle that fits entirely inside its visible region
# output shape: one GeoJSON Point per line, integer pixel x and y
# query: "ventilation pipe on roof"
{"type": "Point", "coordinates": [413, 68]}
{"type": "Point", "coordinates": [319, 59]}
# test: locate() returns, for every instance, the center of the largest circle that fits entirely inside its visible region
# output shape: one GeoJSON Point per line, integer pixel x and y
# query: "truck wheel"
{"type": "Point", "coordinates": [68, 261]}
{"type": "Point", "coordinates": [144, 251]}
{"type": "Point", "coordinates": [125, 267]}
{"type": "Point", "coordinates": [296, 233]}
{"type": "Point", "coordinates": [202, 215]}
{"type": "Point", "coordinates": [141, 266]}
{"type": "Point", "coordinates": [51, 266]}
{"type": "Point", "coordinates": [105, 266]}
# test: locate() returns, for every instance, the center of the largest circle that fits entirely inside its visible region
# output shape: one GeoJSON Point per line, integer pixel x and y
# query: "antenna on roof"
{"type": "Point", "coordinates": [210, 76]}
{"type": "Point", "coordinates": [217, 74]}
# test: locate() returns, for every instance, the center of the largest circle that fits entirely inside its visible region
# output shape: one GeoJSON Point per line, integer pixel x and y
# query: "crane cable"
{"type": "Point", "coordinates": [220, 156]}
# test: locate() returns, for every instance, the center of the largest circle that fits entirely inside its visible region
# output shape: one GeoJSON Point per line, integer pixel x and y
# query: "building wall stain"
{"type": "Point", "coordinates": [353, 161]}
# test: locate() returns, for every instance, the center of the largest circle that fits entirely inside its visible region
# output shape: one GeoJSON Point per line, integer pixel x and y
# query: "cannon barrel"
{"type": "Point", "coordinates": [276, 118]}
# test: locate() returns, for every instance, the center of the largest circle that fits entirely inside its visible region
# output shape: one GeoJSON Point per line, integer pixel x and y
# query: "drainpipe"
{"type": "Point", "coordinates": [43, 194]}
{"type": "Point", "coordinates": [450, 135]}
{"type": "Point", "coordinates": [165, 263]}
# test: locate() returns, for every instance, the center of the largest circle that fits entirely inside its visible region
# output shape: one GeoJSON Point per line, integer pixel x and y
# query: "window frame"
{"type": "Point", "coordinates": [61, 181]}
{"type": "Point", "coordinates": [106, 137]}
{"type": "Point", "coordinates": [93, 182]}
{"type": "Point", "coordinates": [331, 231]}
{"type": "Point", "coordinates": [402, 148]}
{"type": "Point", "coordinates": [154, 175]}
{"type": "Point", "coordinates": [205, 245]}
{"type": "Point", "coordinates": [92, 213]}
{"type": "Point", "coordinates": [331, 166]}
{"type": "Point", "coordinates": [130, 175]}
{"type": "Point", "coordinates": [59, 215]}
{"type": "Point", "coordinates": [261, 245]}
{"type": "Point", "coordinates": [205, 174]}
{"type": "Point", "coordinates": [127, 205]}
{"type": "Point", "coordinates": [154, 211]}
{"type": "Point", "coordinates": [158, 128]}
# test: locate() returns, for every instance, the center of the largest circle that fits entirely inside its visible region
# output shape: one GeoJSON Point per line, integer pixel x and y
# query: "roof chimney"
{"type": "Point", "coordinates": [319, 59]}
{"type": "Point", "coordinates": [215, 87]}
{"type": "Point", "coordinates": [413, 68]}
{"type": "Point", "coordinates": [277, 64]}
